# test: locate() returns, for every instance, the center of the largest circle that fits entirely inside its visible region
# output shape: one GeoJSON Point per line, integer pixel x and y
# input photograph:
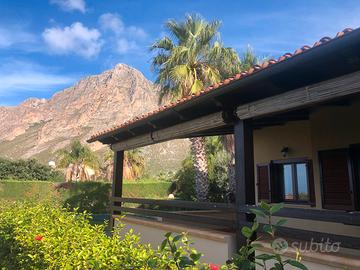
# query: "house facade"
{"type": "Point", "coordinates": [296, 127]}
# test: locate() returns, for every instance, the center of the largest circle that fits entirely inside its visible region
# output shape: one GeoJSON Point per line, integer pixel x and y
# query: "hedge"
{"type": "Point", "coordinates": [29, 169]}
{"type": "Point", "coordinates": [90, 196]}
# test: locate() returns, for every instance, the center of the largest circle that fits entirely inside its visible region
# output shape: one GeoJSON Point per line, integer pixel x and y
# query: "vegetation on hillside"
{"type": "Point", "coordinates": [27, 170]}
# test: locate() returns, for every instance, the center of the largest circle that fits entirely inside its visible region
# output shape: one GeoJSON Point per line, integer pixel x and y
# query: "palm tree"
{"type": "Point", "coordinates": [134, 164]}
{"type": "Point", "coordinates": [76, 158]}
{"type": "Point", "coordinates": [248, 59]}
{"type": "Point", "coordinates": [191, 58]}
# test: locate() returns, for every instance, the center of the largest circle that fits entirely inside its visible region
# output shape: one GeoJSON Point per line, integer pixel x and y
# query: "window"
{"type": "Point", "coordinates": [295, 181]}
{"type": "Point", "coordinates": [286, 180]}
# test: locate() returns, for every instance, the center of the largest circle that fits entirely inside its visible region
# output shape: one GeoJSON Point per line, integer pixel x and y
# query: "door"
{"type": "Point", "coordinates": [336, 179]}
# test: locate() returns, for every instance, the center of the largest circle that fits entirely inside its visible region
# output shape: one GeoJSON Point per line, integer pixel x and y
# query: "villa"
{"type": "Point", "coordinates": [296, 124]}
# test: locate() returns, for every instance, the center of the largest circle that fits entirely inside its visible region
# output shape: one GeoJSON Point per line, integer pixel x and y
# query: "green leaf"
{"type": "Point", "coordinates": [265, 257]}
{"type": "Point", "coordinates": [281, 222]}
{"type": "Point", "coordinates": [276, 207]}
{"type": "Point", "coordinates": [168, 234]}
{"type": "Point", "coordinates": [265, 206]}
{"type": "Point", "coordinates": [177, 238]}
{"type": "Point", "coordinates": [163, 245]}
{"type": "Point", "coordinates": [268, 229]}
{"type": "Point", "coordinates": [258, 212]}
{"type": "Point", "coordinates": [297, 264]}
{"type": "Point", "coordinates": [197, 87]}
{"type": "Point", "coordinates": [246, 231]}
{"type": "Point", "coordinates": [185, 262]}
{"type": "Point", "coordinates": [195, 256]}
{"type": "Point", "coordinates": [255, 226]}
{"type": "Point", "coordinates": [256, 245]}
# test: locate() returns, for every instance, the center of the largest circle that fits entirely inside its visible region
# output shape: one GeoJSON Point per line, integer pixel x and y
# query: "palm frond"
{"type": "Point", "coordinates": [164, 43]}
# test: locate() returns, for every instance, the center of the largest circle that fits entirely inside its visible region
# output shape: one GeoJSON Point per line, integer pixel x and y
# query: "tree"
{"type": "Point", "coordinates": [248, 59]}
{"type": "Point", "coordinates": [77, 159]}
{"type": "Point", "coordinates": [191, 58]}
{"type": "Point", "coordinates": [134, 164]}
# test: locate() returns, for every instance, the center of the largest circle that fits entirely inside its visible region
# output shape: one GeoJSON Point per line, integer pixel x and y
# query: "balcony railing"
{"type": "Point", "coordinates": [182, 214]}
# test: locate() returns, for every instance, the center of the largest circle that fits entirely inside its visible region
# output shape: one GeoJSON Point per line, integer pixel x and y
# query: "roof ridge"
{"type": "Point", "coordinates": [226, 81]}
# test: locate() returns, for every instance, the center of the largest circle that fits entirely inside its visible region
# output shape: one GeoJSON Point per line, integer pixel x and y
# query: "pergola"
{"type": "Point", "coordinates": [274, 93]}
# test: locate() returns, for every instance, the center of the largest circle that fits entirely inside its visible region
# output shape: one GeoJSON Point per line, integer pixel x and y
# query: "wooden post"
{"type": "Point", "coordinates": [244, 174]}
{"type": "Point", "coordinates": [117, 182]}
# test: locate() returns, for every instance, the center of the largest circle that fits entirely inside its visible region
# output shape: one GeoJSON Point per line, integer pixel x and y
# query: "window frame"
{"type": "Point", "coordinates": [293, 162]}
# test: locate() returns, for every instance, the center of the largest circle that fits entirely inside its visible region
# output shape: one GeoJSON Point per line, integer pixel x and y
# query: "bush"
{"type": "Point", "coordinates": [94, 197]}
{"type": "Point", "coordinates": [28, 170]}
{"type": "Point", "coordinates": [217, 160]}
{"type": "Point", "coordinates": [45, 236]}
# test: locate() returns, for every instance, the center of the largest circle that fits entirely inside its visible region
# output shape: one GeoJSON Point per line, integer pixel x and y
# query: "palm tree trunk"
{"type": "Point", "coordinates": [229, 145]}
{"type": "Point", "coordinates": [201, 168]}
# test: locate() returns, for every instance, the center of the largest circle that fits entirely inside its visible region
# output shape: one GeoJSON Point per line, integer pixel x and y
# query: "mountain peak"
{"type": "Point", "coordinates": [39, 127]}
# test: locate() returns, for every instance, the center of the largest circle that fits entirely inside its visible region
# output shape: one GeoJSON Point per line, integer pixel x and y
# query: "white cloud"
{"type": "Point", "coordinates": [70, 5]}
{"type": "Point", "coordinates": [125, 38]}
{"type": "Point", "coordinates": [136, 32]}
{"type": "Point", "coordinates": [23, 76]}
{"type": "Point", "coordinates": [76, 38]}
{"type": "Point", "coordinates": [11, 36]}
{"type": "Point", "coordinates": [123, 45]}
{"type": "Point", "coordinates": [110, 21]}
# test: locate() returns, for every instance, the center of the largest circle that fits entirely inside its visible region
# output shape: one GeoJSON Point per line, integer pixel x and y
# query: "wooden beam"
{"type": "Point", "coordinates": [195, 218]}
{"type": "Point", "coordinates": [177, 131]}
{"type": "Point", "coordinates": [334, 216]}
{"type": "Point", "coordinates": [302, 97]}
{"type": "Point", "coordinates": [244, 164]}
{"type": "Point", "coordinates": [117, 181]}
{"type": "Point", "coordinates": [179, 204]}
{"type": "Point", "coordinates": [244, 175]}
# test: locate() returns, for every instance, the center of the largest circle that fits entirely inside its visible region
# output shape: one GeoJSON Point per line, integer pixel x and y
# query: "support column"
{"type": "Point", "coordinates": [244, 174]}
{"type": "Point", "coordinates": [117, 182]}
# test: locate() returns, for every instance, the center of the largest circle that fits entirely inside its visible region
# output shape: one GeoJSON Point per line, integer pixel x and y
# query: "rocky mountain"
{"type": "Point", "coordinates": [39, 127]}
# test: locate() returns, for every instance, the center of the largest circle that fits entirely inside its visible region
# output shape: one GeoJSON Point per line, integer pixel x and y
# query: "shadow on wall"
{"type": "Point", "coordinates": [93, 197]}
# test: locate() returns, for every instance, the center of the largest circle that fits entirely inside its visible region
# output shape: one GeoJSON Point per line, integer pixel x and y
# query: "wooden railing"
{"type": "Point", "coordinates": [334, 216]}
{"type": "Point", "coordinates": [349, 218]}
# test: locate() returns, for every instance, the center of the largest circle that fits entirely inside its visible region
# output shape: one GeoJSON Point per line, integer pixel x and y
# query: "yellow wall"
{"type": "Point", "coordinates": [269, 141]}
{"type": "Point", "coordinates": [329, 127]}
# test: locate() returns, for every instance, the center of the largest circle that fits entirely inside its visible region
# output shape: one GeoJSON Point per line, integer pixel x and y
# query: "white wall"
{"type": "Point", "coordinates": [216, 246]}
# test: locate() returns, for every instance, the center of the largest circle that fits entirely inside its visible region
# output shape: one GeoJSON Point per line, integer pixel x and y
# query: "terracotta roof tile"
{"type": "Point", "coordinates": [238, 76]}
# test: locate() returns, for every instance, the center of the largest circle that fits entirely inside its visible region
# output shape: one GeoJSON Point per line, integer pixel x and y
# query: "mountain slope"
{"type": "Point", "coordinates": [39, 127]}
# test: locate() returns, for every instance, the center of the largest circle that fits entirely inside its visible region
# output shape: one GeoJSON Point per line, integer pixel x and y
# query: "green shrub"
{"type": "Point", "coordinates": [45, 236]}
{"type": "Point", "coordinates": [93, 197]}
{"type": "Point", "coordinates": [217, 160]}
{"type": "Point", "coordinates": [27, 170]}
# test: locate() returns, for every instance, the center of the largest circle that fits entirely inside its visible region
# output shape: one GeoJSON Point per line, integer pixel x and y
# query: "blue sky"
{"type": "Point", "coordinates": [47, 45]}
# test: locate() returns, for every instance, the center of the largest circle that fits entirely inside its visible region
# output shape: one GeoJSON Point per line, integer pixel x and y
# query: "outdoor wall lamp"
{"type": "Point", "coordinates": [285, 151]}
